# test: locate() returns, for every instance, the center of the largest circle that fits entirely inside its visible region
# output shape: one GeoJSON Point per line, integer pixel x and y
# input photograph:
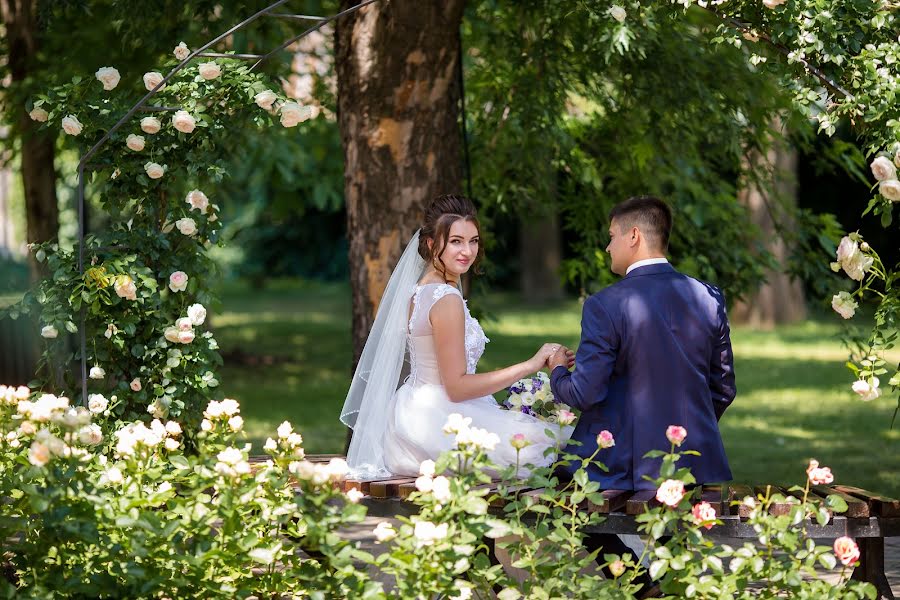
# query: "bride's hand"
{"type": "Point", "coordinates": [539, 360]}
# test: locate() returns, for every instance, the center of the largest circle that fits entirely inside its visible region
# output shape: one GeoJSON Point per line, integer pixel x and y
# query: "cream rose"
{"type": "Point", "coordinates": [125, 287]}
{"type": "Point", "coordinates": [265, 99]}
{"type": "Point", "coordinates": [293, 114]}
{"type": "Point", "coordinates": [154, 170]}
{"type": "Point", "coordinates": [617, 12]}
{"type": "Point", "coordinates": [197, 200]}
{"type": "Point", "coordinates": [108, 76]}
{"type": "Point", "coordinates": [135, 142]}
{"type": "Point", "coordinates": [181, 51]}
{"type": "Point", "coordinates": [97, 403]}
{"type": "Point", "coordinates": [135, 384]}
{"type": "Point", "coordinates": [150, 125]}
{"type": "Point", "coordinates": [209, 70]}
{"type": "Point", "coordinates": [153, 79]}
{"type": "Point", "coordinates": [867, 389]}
{"type": "Point", "coordinates": [39, 114]}
{"type": "Point", "coordinates": [186, 226]}
{"type": "Point", "coordinates": [183, 121]}
{"type": "Point", "coordinates": [883, 168]}
{"type": "Point", "coordinates": [97, 373]}
{"type": "Point", "coordinates": [844, 305]}
{"type": "Point", "coordinates": [71, 125]}
{"type": "Point", "coordinates": [890, 189]}
{"type": "Point", "coordinates": [49, 332]}
{"type": "Point", "coordinates": [670, 492]}
{"type": "Point", "coordinates": [186, 337]}
{"type": "Point", "coordinates": [178, 281]}
{"type": "Point", "coordinates": [196, 313]}
{"type": "Point", "coordinates": [171, 334]}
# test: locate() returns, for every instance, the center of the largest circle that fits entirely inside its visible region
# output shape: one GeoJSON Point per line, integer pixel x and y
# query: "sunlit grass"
{"type": "Point", "coordinates": [794, 400]}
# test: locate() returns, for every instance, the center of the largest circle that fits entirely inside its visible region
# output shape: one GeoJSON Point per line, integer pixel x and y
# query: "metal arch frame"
{"type": "Point", "coordinates": [141, 105]}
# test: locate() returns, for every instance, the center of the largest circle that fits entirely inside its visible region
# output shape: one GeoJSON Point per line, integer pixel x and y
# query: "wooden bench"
{"type": "Point", "coordinates": [869, 518]}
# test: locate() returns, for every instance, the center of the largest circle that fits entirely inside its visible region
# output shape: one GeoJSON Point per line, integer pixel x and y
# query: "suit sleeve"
{"type": "Point", "coordinates": [588, 384]}
{"type": "Point", "coordinates": [721, 368]}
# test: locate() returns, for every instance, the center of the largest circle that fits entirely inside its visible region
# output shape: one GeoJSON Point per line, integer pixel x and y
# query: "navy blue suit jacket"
{"type": "Point", "coordinates": [655, 351]}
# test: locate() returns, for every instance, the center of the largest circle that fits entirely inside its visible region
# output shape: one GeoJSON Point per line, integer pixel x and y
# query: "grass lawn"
{"type": "Point", "coordinates": [794, 400]}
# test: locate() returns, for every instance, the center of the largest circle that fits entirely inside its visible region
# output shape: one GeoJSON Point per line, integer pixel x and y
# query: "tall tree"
{"type": "Point", "coordinates": [398, 95]}
{"type": "Point", "coordinates": [38, 173]}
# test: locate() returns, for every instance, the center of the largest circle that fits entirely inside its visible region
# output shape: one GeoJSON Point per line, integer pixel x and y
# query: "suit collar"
{"type": "Point", "coordinates": [651, 270]}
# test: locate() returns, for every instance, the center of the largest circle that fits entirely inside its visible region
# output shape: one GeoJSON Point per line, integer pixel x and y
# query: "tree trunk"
{"type": "Point", "coordinates": [540, 254]}
{"type": "Point", "coordinates": [38, 173]}
{"type": "Point", "coordinates": [398, 112]}
{"type": "Point", "coordinates": [780, 299]}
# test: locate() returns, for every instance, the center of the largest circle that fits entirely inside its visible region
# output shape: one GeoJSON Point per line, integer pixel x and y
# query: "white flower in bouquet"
{"type": "Point", "coordinates": [153, 79]}
{"type": "Point", "coordinates": [883, 168]}
{"type": "Point", "coordinates": [209, 70]}
{"type": "Point", "coordinates": [154, 170]}
{"type": "Point", "coordinates": [186, 226]}
{"type": "Point", "coordinates": [39, 114]}
{"type": "Point", "coordinates": [178, 282]}
{"type": "Point", "coordinates": [183, 121]}
{"type": "Point", "coordinates": [108, 76]}
{"type": "Point", "coordinates": [135, 142]}
{"type": "Point", "coordinates": [181, 51]}
{"type": "Point", "coordinates": [71, 125]}
{"type": "Point", "coordinates": [196, 313]}
{"type": "Point", "coordinates": [150, 125]}
{"type": "Point", "coordinates": [890, 189]}
{"type": "Point", "coordinates": [265, 99]}
{"type": "Point", "coordinates": [197, 200]}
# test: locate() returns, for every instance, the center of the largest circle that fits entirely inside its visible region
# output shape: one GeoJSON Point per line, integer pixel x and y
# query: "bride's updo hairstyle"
{"type": "Point", "coordinates": [440, 214]}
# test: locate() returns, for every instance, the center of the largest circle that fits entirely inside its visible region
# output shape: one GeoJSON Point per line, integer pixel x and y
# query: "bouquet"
{"type": "Point", "coordinates": [533, 396]}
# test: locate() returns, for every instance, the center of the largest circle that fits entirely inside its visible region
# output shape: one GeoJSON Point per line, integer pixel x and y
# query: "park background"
{"type": "Point", "coordinates": [559, 118]}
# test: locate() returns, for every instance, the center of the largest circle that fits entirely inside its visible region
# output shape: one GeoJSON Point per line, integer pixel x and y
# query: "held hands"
{"type": "Point", "coordinates": [552, 356]}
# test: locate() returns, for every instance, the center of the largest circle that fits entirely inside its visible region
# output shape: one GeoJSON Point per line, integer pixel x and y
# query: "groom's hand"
{"type": "Point", "coordinates": [561, 358]}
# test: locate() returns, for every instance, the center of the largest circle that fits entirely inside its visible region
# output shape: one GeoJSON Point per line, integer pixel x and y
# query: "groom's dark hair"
{"type": "Point", "coordinates": [649, 214]}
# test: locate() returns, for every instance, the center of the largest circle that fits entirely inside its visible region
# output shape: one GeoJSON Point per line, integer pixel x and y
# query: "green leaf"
{"type": "Point", "coordinates": [836, 503]}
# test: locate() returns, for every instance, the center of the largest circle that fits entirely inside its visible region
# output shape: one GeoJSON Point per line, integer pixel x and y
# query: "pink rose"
{"type": "Point", "coordinates": [519, 441]}
{"type": "Point", "coordinates": [676, 434]}
{"type": "Point", "coordinates": [846, 550]}
{"type": "Point", "coordinates": [617, 567]}
{"type": "Point", "coordinates": [186, 337]}
{"type": "Point", "coordinates": [565, 417]}
{"type": "Point", "coordinates": [704, 514]}
{"type": "Point", "coordinates": [178, 281]}
{"type": "Point", "coordinates": [818, 475]}
{"type": "Point", "coordinates": [136, 384]}
{"type": "Point", "coordinates": [197, 199]}
{"type": "Point", "coordinates": [670, 492]}
{"type": "Point", "coordinates": [605, 439]}
{"type": "Point", "coordinates": [867, 389]}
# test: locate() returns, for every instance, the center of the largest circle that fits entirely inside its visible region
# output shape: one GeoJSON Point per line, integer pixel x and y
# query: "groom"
{"type": "Point", "coordinates": [655, 351]}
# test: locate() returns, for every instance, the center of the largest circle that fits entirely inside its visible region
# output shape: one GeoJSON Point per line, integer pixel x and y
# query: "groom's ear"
{"type": "Point", "coordinates": [635, 236]}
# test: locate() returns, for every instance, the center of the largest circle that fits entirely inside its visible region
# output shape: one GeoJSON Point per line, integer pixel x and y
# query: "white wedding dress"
{"type": "Point", "coordinates": [420, 407]}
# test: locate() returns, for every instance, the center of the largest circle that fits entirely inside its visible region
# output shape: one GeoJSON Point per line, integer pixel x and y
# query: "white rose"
{"type": "Point", "coordinates": [354, 495]}
{"type": "Point", "coordinates": [97, 403]}
{"type": "Point", "coordinates": [186, 226]}
{"type": "Point", "coordinates": [153, 79]}
{"type": "Point", "coordinates": [883, 168]}
{"type": "Point", "coordinates": [185, 337]}
{"type": "Point", "coordinates": [71, 125]}
{"type": "Point", "coordinates": [284, 430]}
{"type": "Point", "coordinates": [108, 76]}
{"type": "Point", "coordinates": [173, 428]}
{"type": "Point", "coordinates": [49, 332]}
{"type": "Point", "coordinates": [858, 266]}
{"type": "Point", "coordinates": [384, 532]}
{"type": "Point", "coordinates": [617, 12]}
{"type": "Point", "coordinates": [441, 489]}
{"type": "Point", "coordinates": [890, 189]}
{"type": "Point", "coordinates": [97, 373]}
{"type": "Point", "coordinates": [527, 398]}
{"type": "Point", "coordinates": [135, 142]}
{"type": "Point", "coordinates": [114, 475]}
{"type": "Point", "coordinates": [154, 170]}
{"type": "Point", "coordinates": [896, 157]}
{"type": "Point", "coordinates": [265, 99]}
{"type": "Point", "coordinates": [90, 435]}
{"type": "Point", "coordinates": [181, 51]}
{"type": "Point", "coordinates": [236, 423]}
{"type": "Point", "coordinates": [39, 114]}
{"type": "Point", "coordinates": [196, 313]}
{"type": "Point", "coordinates": [197, 199]}
{"type": "Point", "coordinates": [867, 391]}
{"type": "Point", "coordinates": [515, 400]}
{"type": "Point", "coordinates": [424, 484]}
{"type": "Point", "coordinates": [171, 334]}
{"type": "Point", "coordinates": [844, 304]}
{"type": "Point", "coordinates": [125, 287]}
{"type": "Point", "coordinates": [38, 454]}
{"type": "Point", "coordinates": [292, 114]}
{"type": "Point", "coordinates": [150, 125]}
{"type": "Point", "coordinates": [427, 468]}
{"type": "Point", "coordinates": [209, 70]}
{"type": "Point", "coordinates": [178, 282]}
{"type": "Point", "coordinates": [773, 3]}
{"type": "Point", "coordinates": [183, 121]}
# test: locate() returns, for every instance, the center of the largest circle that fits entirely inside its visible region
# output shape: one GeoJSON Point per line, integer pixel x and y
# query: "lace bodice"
{"type": "Point", "coordinates": [423, 358]}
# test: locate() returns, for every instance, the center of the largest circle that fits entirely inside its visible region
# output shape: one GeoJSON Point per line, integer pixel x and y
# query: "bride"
{"type": "Point", "coordinates": [422, 314]}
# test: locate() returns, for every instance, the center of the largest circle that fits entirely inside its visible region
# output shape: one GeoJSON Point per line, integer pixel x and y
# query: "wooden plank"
{"type": "Point", "coordinates": [856, 508]}
{"type": "Point", "coordinates": [641, 501]}
{"type": "Point", "coordinates": [737, 493]}
{"type": "Point", "coordinates": [388, 488]}
{"type": "Point", "coordinates": [776, 508]}
{"type": "Point", "coordinates": [613, 500]}
{"type": "Point", "coordinates": [405, 489]}
{"type": "Point", "coordinates": [356, 484]}
{"type": "Point", "coordinates": [882, 506]}
{"type": "Point", "coordinates": [712, 495]}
